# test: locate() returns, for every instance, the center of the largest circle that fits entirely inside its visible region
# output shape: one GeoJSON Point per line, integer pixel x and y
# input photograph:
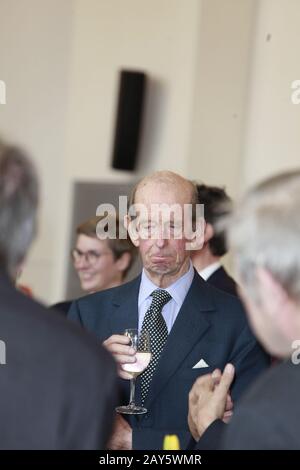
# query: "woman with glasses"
{"type": "Point", "coordinates": [100, 264]}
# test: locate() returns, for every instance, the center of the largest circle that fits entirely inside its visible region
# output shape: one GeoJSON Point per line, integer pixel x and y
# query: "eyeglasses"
{"type": "Point", "coordinates": [90, 256]}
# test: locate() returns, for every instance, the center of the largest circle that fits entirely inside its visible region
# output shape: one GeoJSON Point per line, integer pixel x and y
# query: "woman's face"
{"type": "Point", "coordinates": [95, 264]}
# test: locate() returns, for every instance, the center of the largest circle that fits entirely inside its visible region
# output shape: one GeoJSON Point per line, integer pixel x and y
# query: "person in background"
{"type": "Point", "coordinates": [263, 234]}
{"type": "Point", "coordinates": [207, 260]}
{"type": "Point", "coordinates": [100, 264]}
{"type": "Point", "coordinates": [58, 385]}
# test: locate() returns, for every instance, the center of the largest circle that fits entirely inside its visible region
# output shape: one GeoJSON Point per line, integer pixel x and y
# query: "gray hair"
{"type": "Point", "coordinates": [264, 230]}
{"type": "Point", "coordinates": [18, 206]}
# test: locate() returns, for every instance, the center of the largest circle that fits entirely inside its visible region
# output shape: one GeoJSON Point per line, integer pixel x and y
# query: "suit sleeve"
{"type": "Point", "coordinates": [211, 438]}
{"type": "Point", "coordinates": [249, 360]}
{"type": "Point", "coordinates": [74, 313]}
{"type": "Point", "coordinates": [250, 430]}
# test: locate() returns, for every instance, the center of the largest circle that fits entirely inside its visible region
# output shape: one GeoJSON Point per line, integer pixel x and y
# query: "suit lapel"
{"type": "Point", "coordinates": [125, 312]}
{"type": "Point", "coordinates": [188, 328]}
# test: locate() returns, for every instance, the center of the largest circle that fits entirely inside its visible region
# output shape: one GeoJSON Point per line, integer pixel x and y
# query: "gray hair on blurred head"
{"type": "Point", "coordinates": [264, 231]}
{"type": "Point", "coordinates": [18, 206]}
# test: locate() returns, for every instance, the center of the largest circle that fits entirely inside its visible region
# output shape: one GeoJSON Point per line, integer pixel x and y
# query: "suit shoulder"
{"type": "Point", "coordinates": [277, 385]}
{"type": "Point", "coordinates": [225, 300]}
{"type": "Point", "coordinates": [108, 295]}
{"type": "Point", "coordinates": [271, 411]}
{"type": "Point", "coordinates": [46, 330]}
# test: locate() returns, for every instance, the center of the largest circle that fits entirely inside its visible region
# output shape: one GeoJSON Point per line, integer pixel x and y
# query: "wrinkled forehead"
{"type": "Point", "coordinates": [164, 193]}
{"type": "Point", "coordinates": [161, 202]}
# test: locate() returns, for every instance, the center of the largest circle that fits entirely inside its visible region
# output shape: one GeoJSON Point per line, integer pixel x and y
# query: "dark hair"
{"type": "Point", "coordinates": [118, 245]}
{"type": "Point", "coordinates": [18, 206]}
{"type": "Point", "coordinates": [216, 204]}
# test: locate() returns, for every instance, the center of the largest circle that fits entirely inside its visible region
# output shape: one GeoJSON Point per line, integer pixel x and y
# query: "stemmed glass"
{"type": "Point", "coordinates": [141, 343]}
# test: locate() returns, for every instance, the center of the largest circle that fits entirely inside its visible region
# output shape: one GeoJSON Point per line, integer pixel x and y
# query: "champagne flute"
{"type": "Point", "coordinates": [141, 343]}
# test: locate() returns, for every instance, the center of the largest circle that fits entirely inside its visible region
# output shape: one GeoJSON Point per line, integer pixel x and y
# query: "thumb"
{"type": "Point", "coordinates": [225, 382]}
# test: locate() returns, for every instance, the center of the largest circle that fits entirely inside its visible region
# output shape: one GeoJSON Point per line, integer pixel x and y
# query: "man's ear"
{"type": "Point", "coordinates": [198, 236]}
{"type": "Point", "coordinates": [272, 295]}
{"type": "Point", "coordinates": [130, 226]}
{"type": "Point", "coordinates": [276, 302]}
{"type": "Point", "coordinates": [208, 232]}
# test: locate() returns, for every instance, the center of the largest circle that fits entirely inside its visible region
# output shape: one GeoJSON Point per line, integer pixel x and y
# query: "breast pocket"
{"type": "Point", "coordinates": [193, 374]}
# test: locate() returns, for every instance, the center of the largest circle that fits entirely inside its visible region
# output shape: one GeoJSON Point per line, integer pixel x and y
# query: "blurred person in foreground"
{"type": "Point", "coordinates": [208, 260]}
{"type": "Point", "coordinates": [100, 263]}
{"type": "Point", "coordinates": [264, 234]}
{"type": "Point", "coordinates": [57, 384]}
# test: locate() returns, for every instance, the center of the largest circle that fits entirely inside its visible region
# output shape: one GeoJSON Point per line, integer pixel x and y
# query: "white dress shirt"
{"type": "Point", "coordinates": [209, 270]}
{"type": "Point", "coordinates": [178, 290]}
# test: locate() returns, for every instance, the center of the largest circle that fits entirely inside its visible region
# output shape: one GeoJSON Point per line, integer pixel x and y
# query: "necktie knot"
{"type": "Point", "coordinates": [160, 298]}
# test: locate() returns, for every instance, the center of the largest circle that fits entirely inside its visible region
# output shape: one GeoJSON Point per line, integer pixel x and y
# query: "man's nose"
{"type": "Point", "coordinates": [161, 239]}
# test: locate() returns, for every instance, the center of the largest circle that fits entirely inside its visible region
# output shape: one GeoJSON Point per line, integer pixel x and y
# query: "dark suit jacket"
{"type": "Point", "coordinates": [267, 417]}
{"type": "Point", "coordinates": [221, 279]}
{"type": "Point", "coordinates": [211, 325]}
{"type": "Point", "coordinates": [62, 307]}
{"type": "Point", "coordinates": [58, 386]}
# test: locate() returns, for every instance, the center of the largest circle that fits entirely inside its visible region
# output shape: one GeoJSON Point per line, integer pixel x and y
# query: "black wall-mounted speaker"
{"type": "Point", "coordinates": [132, 87]}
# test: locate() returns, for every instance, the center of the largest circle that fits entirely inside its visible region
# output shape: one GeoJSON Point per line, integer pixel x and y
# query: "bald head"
{"type": "Point", "coordinates": [182, 189]}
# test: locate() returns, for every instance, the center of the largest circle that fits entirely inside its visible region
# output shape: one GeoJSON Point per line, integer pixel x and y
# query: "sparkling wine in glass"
{"type": "Point", "coordinates": [141, 343]}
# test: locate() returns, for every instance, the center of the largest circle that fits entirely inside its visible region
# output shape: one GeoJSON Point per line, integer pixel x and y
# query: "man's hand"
{"type": "Point", "coordinates": [121, 438]}
{"type": "Point", "coordinates": [209, 400]}
{"type": "Point", "coordinates": [118, 346]}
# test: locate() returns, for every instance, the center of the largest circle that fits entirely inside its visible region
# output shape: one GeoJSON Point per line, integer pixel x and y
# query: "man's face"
{"type": "Point", "coordinates": [164, 255]}
{"type": "Point", "coordinates": [265, 317]}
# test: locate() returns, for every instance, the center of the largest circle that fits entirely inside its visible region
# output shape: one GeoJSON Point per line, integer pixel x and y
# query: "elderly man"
{"type": "Point", "coordinates": [58, 388]}
{"type": "Point", "coordinates": [193, 327]}
{"type": "Point", "coordinates": [264, 234]}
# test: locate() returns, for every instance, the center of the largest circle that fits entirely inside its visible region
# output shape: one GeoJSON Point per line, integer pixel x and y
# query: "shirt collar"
{"type": "Point", "coordinates": [177, 290]}
{"type": "Point", "coordinates": [209, 270]}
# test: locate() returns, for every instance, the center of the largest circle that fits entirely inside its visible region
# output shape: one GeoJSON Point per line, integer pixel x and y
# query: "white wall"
{"type": "Point", "coordinates": [60, 61]}
{"type": "Point", "coordinates": [222, 80]}
{"type": "Point", "coordinates": [35, 39]}
{"type": "Point", "coordinates": [218, 106]}
{"type": "Point", "coordinates": [272, 138]}
{"type": "Point", "coordinates": [158, 37]}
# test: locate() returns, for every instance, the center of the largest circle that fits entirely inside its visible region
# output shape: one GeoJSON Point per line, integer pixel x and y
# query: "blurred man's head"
{"type": "Point", "coordinates": [264, 235]}
{"type": "Point", "coordinates": [18, 207]}
{"type": "Point", "coordinates": [162, 234]}
{"type": "Point", "coordinates": [216, 204]}
{"type": "Point", "coordinates": [101, 264]}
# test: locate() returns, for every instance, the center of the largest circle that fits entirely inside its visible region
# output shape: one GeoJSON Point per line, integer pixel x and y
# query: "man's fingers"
{"type": "Point", "coordinates": [229, 403]}
{"type": "Point", "coordinates": [216, 376]}
{"type": "Point", "coordinates": [205, 382]}
{"type": "Point", "coordinates": [227, 416]}
{"type": "Point", "coordinates": [116, 348]}
{"type": "Point", "coordinates": [120, 339]}
{"type": "Point", "coordinates": [124, 375]}
{"type": "Point", "coordinates": [225, 382]}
